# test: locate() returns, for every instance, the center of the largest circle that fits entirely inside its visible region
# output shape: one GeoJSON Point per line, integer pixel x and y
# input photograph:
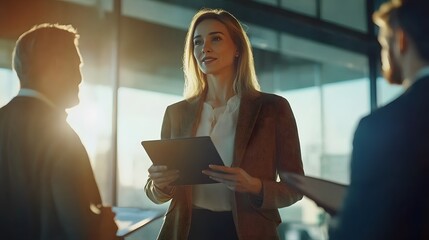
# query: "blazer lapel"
{"type": "Point", "coordinates": [192, 116]}
{"type": "Point", "coordinates": [249, 110]}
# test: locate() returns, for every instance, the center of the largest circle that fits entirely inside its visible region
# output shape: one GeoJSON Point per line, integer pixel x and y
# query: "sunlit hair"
{"type": "Point", "coordinates": [195, 79]}
{"type": "Point", "coordinates": [410, 15]}
{"type": "Point", "coordinates": [38, 48]}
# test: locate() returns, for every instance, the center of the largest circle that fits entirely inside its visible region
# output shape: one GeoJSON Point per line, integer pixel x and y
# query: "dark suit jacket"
{"type": "Point", "coordinates": [388, 197]}
{"type": "Point", "coordinates": [266, 142]}
{"type": "Point", "coordinates": [46, 180]}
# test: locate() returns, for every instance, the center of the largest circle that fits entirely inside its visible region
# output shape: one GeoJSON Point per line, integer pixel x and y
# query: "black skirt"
{"type": "Point", "coordinates": [210, 225]}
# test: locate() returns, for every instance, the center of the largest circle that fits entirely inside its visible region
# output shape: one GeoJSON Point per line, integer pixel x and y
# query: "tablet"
{"type": "Point", "coordinates": [188, 155]}
{"type": "Point", "coordinates": [326, 194]}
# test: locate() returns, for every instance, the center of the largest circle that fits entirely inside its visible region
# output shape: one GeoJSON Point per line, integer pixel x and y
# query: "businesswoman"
{"type": "Point", "coordinates": [254, 132]}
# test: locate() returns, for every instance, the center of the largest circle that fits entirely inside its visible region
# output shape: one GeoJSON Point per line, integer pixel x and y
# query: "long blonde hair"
{"type": "Point", "coordinates": [195, 79]}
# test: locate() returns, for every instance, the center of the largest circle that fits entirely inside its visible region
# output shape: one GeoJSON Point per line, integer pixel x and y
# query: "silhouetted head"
{"type": "Point", "coordinates": [410, 17]}
{"type": "Point", "coordinates": [195, 78]}
{"type": "Point", "coordinates": [46, 58]}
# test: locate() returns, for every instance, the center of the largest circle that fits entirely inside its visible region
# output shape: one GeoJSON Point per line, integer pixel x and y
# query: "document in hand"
{"type": "Point", "coordinates": [326, 194]}
{"type": "Point", "coordinates": [188, 155]}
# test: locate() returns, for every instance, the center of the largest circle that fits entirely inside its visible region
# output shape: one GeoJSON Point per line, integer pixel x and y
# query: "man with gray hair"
{"type": "Point", "coordinates": [48, 189]}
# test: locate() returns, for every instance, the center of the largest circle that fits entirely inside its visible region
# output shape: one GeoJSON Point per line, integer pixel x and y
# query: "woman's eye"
{"type": "Point", "coordinates": [197, 42]}
{"type": "Point", "coordinates": [217, 38]}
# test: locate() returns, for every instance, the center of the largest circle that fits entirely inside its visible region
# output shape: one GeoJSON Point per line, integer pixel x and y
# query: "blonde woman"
{"type": "Point", "coordinates": [254, 132]}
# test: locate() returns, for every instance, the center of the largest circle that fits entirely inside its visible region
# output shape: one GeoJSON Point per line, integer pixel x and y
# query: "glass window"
{"type": "Point", "coordinates": [269, 2]}
{"type": "Point", "coordinates": [9, 85]}
{"type": "Point", "coordinates": [307, 7]}
{"type": "Point", "coordinates": [140, 118]}
{"type": "Point", "coordinates": [328, 96]}
{"type": "Point", "coordinates": [92, 121]}
{"type": "Point", "coordinates": [349, 13]}
{"type": "Point", "coordinates": [387, 92]}
{"type": "Point", "coordinates": [151, 78]}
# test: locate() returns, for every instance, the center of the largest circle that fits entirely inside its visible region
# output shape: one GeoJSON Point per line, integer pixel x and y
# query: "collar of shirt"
{"type": "Point", "coordinates": [233, 103]}
{"type": "Point", "coordinates": [423, 72]}
{"type": "Point", "coordinates": [27, 92]}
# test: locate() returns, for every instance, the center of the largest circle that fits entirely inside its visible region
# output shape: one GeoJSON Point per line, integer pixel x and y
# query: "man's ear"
{"type": "Point", "coordinates": [402, 40]}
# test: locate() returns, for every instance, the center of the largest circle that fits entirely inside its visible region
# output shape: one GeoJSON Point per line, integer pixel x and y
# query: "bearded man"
{"type": "Point", "coordinates": [388, 197]}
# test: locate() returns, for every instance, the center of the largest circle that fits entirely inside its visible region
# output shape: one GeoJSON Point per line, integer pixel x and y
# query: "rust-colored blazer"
{"type": "Point", "coordinates": [266, 142]}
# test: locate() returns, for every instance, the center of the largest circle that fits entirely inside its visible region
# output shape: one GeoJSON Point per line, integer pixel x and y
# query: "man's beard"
{"type": "Point", "coordinates": [394, 74]}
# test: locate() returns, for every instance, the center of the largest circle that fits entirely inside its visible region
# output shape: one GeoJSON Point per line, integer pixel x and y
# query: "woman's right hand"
{"type": "Point", "coordinates": [162, 177]}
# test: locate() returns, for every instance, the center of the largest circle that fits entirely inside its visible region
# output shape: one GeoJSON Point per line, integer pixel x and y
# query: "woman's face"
{"type": "Point", "coordinates": [214, 49]}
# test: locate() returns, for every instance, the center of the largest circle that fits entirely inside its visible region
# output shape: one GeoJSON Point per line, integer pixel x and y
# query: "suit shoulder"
{"type": "Point", "coordinates": [270, 98]}
{"type": "Point", "coordinates": [178, 106]}
{"type": "Point", "coordinates": [377, 117]}
{"type": "Point", "coordinates": [397, 110]}
{"type": "Point", "coordinates": [407, 113]}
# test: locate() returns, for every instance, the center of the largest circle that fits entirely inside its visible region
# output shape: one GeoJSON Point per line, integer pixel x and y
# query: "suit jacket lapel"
{"type": "Point", "coordinates": [191, 117]}
{"type": "Point", "coordinates": [248, 113]}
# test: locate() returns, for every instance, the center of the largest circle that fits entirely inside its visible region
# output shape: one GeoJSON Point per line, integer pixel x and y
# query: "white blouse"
{"type": "Point", "coordinates": [220, 124]}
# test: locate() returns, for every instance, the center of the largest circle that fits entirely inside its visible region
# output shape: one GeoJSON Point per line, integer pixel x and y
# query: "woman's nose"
{"type": "Point", "coordinates": [206, 48]}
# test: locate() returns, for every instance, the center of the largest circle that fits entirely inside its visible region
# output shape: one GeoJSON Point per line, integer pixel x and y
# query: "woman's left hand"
{"type": "Point", "coordinates": [235, 179]}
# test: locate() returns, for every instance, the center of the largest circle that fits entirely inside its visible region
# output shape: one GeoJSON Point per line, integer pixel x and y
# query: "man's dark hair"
{"type": "Point", "coordinates": [410, 15]}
